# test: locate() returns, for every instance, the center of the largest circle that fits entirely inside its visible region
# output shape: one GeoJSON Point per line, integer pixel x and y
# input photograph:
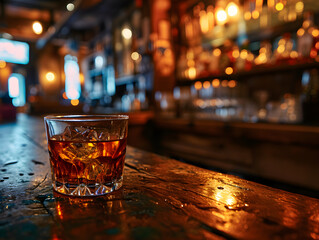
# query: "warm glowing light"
{"type": "Point", "coordinates": [70, 7]}
{"type": "Point", "coordinates": [64, 95]}
{"type": "Point", "coordinates": [235, 53]}
{"type": "Point", "coordinates": [317, 59]}
{"type": "Point", "coordinates": [313, 53]}
{"type": "Point", "coordinates": [135, 56]}
{"type": "Point", "coordinates": [281, 48]}
{"type": "Point", "coordinates": [317, 45]}
{"type": "Point", "coordinates": [255, 14]}
{"type": "Point", "coordinates": [306, 24]}
{"type": "Point", "coordinates": [315, 33]}
{"type": "Point", "coordinates": [210, 16]}
{"type": "Point", "coordinates": [299, 7]}
{"type": "Point", "coordinates": [191, 63]}
{"type": "Point", "coordinates": [215, 83]}
{"type": "Point", "coordinates": [243, 54]}
{"type": "Point", "coordinates": [300, 32]}
{"type": "Point", "coordinates": [229, 70]}
{"type": "Point", "coordinates": [127, 33]}
{"type": "Point", "coordinates": [294, 54]}
{"type": "Point", "coordinates": [271, 3]}
{"type": "Point", "coordinates": [250, 57]}
{"type": "Point", "coordinates": [3, 64]}
{"type": "Point", "coordinates": [59, 211]}
{"type": "Point", "coordinates": [50, 76]}
{"type": "Point", "coordinates": [198, 85]}
{"type": "Point", "coordinates": [247, 16]}
{"type": "Point", "coordinates": [217, 52]}
{"type": "Point", "coordinates": [203, 21]}
{"type": "Point", "coordinates": [232, 83]}
{"type": "Point", "coordinates": [192, 73]}
{"type": "Point", "coordinates": [279, 6]}
{"type": "Point", "coordinates": [232, 9]}
{"type": "Point", "coordinates": [37, 27]}
{"type": "Point", "coordinates": [206, 84]}
{"type": "Point", "coordinates": [282, 42]}
{"type": "Point", "coordinates": [221, 16]}
{"type": "Point", "coordinates": [75, 102]}
{"type": "Point", "coordinates": [224, 83]}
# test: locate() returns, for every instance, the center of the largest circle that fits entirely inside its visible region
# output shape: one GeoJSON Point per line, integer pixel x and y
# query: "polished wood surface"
{"type": "Point", "coordinates": [161, 199]}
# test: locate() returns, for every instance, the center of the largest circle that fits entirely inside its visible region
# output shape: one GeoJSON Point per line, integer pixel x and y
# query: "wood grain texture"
{"type": "Point", "coordinates": [161, 199]}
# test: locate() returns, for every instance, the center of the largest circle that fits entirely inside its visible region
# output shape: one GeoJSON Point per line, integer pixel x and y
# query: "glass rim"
{"type": "Point", "coordinates": [89, 118]}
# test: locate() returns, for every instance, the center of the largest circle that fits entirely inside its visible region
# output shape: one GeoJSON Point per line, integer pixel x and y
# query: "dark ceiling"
{"type": "Point", "coordinates": [88, 18]}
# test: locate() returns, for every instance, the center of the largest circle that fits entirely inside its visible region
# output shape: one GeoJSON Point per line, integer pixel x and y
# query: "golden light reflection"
{"type": "Point", "coordinates": [279, 6]}
{"type": "Point", "coordinates": [255, 14]}
{"type": "Point", "coordinates": [315, 33]}
{"type": "Point", "coordinates": [243, 54]}
{"type": "Point", "coordinates": [224, 83]}
{"type": "Point", "coordinates": [206, 84]}
{"type": "Point", "coordinates": [300, 32]}
{"type": "Point", "coordinates": [317, 45]}
{"type": "Point", "coordinates": [37, 27]}
{"type": "Point", "coordinates": [191, 73]}
{"type": "Point", "coordinates": [294, 54]}
{"type": "Point", "coordinates": [217, 52]}
{"type": "Point", "coordinates": [198, 85]}
{"type": "Point", "coordinates": [3, 64]}
{"type": "Point", "coordinates": [203, 21]}
{"type": "Point", "coordinates": [235, 53]}
{"type": "Point", "coordinates": [247, 16]}
{"type": "Point", "coordinates": [75, 102]}
{"type": "Point", "coordinates": [215, 83]}
{"type": "Point", "coordinates": [49, 76]}
{"type": "Point", "coordinates": [229, 70]}
{"type": "Point", "coordinates": [127, 33]}
{"type": "Point", "coordinates": [225, 197]}
{"type": "Point", "coordinates": [221, 16]}
{"type": "Point", "coordinates": [232, 9]}
{"type": "Point", "coordinates": [299, 7]}
{"type": "Point", "coordinates": [232, 83]}
{"type": "Point", "coordinates": [281, 48]}
{"type": "Point", "coordinates": [210, 16]}
{"type": "Point", "coordinates": [135, 56]}
{"type": "Point", "coordinates": [58, 208]}
{"type": "Point", "coordinates": [306, 24]}
{"type": "Point", "coordinates": [271, 3]}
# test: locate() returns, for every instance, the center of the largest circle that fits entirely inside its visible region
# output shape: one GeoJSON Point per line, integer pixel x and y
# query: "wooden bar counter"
{"type": "Point", "coordinates": [161, 199]}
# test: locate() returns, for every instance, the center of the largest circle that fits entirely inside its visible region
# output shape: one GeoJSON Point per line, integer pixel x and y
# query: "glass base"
{"type": "Point", "coordinates": [87, 190]}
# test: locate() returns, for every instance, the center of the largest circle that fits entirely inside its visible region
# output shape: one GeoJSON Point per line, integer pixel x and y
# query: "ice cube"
{"type": "Point", "coordinates": [84, 152]}
{"type": "Point", "coordinates": [90, 135]}
{"type": "Point", "coordinates": [71, 133]}
{"type": "Point", "coordinates": [93, 170]}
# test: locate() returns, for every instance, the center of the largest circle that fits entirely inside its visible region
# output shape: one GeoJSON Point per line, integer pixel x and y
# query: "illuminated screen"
{"type": "Point", "coordinates": [14, 51]}
{"type": "Point", "coordinates": [72, 77]}
{"type": "Point", "coordinates": [16, 87]}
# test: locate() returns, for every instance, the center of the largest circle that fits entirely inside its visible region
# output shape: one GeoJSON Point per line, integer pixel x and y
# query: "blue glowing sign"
{"type": "Point", "coordinates": [16, 86]}
{"type": "Point", "coordinates": [72, 77]}
{"type": "Point", "coordinates": [14, 51]}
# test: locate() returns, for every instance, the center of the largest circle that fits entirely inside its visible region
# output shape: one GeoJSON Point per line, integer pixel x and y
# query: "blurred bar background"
{"type": "Point", "coordinates": [227, 85]}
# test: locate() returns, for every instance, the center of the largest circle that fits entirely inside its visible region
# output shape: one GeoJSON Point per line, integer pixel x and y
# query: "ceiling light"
{"type": "Point", "coordinates": [37, 27]}
{"type": "Point", "coordinates": [70, 7]}
{"type": "Point", "coordinates": [232, 9]}
{"type": "Point", "coordinates": [221, 16]}
{"type": "Point", "coordinates": [127, 33]}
